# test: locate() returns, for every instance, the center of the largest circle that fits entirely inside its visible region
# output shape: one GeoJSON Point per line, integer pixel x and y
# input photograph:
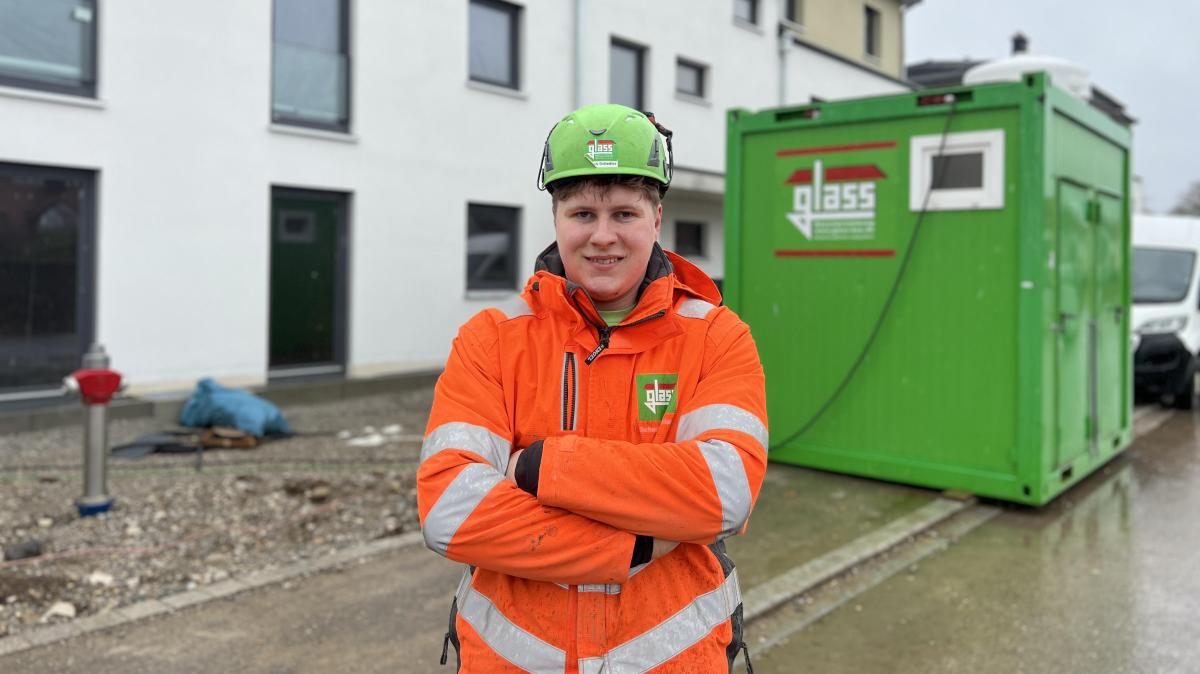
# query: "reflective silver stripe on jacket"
{"type": "Point", "coordinates": [475, 439]}
{"type": "Point", "coordinates": [670, 637]}
{"type": "Point", "coordinates": [509, 641]}
{"type": "Point", "coordinates": [694, 308]}
{"type": "Point", "coordinates": [723, 459]}
{"type": "Point", "coordinates": [606, 588]}
{"type": "Point", "coordinates": [457, 503]}
{"type": "Point", "coordinates": [733, 487]}
{"type": "Point", "coordinates": [720, 417]}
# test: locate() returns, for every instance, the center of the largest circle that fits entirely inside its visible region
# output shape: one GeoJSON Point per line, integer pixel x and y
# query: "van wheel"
{"type": "Point", "coordinates": [1185, 397]}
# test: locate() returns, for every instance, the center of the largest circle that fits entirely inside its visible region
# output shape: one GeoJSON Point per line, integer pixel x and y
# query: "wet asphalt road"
{"type": "Point", "coordinates": [1104, 579]}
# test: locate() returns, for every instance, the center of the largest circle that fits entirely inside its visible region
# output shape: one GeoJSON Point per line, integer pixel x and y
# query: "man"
{"type": "Point", "coordinates": [590, 447]}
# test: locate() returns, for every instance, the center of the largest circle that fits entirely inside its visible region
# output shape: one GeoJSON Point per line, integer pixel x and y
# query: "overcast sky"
{"type": "Point", "coordinates": [1144, 53]}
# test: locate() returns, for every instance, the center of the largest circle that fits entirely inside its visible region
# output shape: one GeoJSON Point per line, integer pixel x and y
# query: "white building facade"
{"type": "Point", "coordinates": [258, 190]}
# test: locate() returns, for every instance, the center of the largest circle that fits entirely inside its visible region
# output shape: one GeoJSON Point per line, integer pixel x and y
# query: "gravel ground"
{"type": "Point", "coordinates": [346, 478]}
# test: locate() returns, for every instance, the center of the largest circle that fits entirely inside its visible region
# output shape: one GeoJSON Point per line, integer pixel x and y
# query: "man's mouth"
{"type": "Point", "coordinates": [604, 260]}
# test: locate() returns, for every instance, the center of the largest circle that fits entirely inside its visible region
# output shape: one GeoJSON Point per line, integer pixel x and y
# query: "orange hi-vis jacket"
{"type": "Point", "coordinates": [655, 428]}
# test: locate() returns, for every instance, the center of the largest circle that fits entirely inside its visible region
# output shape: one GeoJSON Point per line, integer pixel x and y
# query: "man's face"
{"type": "Point", "coordinates": [605, 237]}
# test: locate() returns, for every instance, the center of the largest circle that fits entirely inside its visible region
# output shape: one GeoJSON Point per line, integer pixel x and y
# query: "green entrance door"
{"type": "Point", "coordinates": [1076, 322]}
{"type": "Point", "coordinates": [308, 235]}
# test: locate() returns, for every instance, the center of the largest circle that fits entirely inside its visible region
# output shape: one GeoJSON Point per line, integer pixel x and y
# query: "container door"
{"type": "Point", "coordinates": [307, 282]}
{"type": "Point", "coordinates": [1076, 325]}
{"type": "Point", "coordinates": [1112, 344]}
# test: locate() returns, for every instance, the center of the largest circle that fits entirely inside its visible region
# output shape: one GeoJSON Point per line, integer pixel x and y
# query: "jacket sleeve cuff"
{"type": "Point", "coordinates": [643, 550]}
{"type": "Point", "coordinates": [528, 468]}
{"type": "Point", "coordinates": [556, 457]}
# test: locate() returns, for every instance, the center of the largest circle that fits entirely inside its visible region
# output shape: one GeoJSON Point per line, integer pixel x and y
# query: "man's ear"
{"type": "Point", "coordinates": [658, 221]}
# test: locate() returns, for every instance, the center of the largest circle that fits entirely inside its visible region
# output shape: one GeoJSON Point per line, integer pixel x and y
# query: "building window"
{"type": "Point", "coordinates": [494, 40]}
{"type": "Point", "coordinates": [49, 45]}
{"type": "Point", "coordinates": [690, 78]}
{"type": "Point", "coordinates": [312, 64]}
{"type": "Point", "coordinates": [793, 11]}
{"type": "Point", "coordinates": [47, 243]}
{"type": "Point", "coordinates": [492, 245]}
{"type": "Point", "coordinates": [746, 10]}
{"type": "Point", "coordinates": [689, 239]}
{"type": "Point", "coordinates": [871, 39]}
{"type": "Point", "coordinates": [626, 81]}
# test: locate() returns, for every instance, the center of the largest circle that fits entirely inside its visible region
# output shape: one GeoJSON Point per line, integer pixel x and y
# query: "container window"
{"type": "Point", "coordinates": [963, 173]}
{"type": "Point", "coordinates": [957, 171]}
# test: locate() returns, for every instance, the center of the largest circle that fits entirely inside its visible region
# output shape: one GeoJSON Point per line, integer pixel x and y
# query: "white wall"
{"type": "Point", "coordinates": [187, 158]}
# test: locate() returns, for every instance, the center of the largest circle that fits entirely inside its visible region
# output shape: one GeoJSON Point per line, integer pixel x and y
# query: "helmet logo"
{"type": "Point", "coordinates": [602, 153]}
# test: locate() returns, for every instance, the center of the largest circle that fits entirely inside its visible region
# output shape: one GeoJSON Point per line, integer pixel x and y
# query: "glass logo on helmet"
{"type": "Point", "coordinates": [602, 153]}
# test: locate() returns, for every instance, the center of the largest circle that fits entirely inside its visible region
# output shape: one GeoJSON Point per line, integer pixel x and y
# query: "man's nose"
{"type": "Point", "coordinates": [604, 234]}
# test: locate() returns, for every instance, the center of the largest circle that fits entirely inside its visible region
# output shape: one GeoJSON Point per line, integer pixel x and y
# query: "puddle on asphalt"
{"type": "Point", "coordinates": [1102, 579]}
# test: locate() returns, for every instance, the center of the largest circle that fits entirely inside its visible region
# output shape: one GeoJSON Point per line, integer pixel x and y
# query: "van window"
{"type": "Point", "coordinates": [1161, 276]}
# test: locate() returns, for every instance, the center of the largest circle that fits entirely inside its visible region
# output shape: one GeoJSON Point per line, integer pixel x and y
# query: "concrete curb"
{"type": "Point", "coordinates": [787, 586]}
{"type": "Point", "coordinates": [221, 590]}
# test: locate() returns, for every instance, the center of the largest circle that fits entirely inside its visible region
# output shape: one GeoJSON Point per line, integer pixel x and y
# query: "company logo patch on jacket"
{"type": "Point", "coordinates": [656, 395]}
{"type": "Point", "coordinates": [602, 153]}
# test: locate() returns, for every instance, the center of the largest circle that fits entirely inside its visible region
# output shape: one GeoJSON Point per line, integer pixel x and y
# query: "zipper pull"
{"type": "Point", "coordinates": [445, 648]}
{"type": "Point", "coordinates": [604, 333]}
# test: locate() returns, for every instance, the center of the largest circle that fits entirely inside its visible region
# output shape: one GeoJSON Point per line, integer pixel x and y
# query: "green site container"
{"type": "Point", "coordinates": [1001, 364]}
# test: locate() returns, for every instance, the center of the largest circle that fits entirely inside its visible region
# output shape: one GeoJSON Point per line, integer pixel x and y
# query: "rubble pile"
{"type": "Point", "coordinates": [175, 528]}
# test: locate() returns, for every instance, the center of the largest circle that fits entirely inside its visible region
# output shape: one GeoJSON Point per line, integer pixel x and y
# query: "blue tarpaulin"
{"type": "Point", "coordinates": [215, 405]}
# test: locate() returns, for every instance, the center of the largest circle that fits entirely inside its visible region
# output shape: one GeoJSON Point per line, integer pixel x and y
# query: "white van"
{"type": "Point", "coordinates": [1166, 308]}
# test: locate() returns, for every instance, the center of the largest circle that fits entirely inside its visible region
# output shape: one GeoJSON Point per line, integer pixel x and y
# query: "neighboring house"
{"type": "Point", "coordinates": [261, 190]}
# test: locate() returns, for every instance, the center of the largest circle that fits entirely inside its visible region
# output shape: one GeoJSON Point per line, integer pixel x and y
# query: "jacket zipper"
{"type": "Point", "coordinates": [606, 331]}
{"type": "Point", "coordinates": [570, 392]}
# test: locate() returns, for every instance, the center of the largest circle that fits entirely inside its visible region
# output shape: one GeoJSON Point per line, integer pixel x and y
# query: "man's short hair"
{"type": "Point", "coordinates": [566, 188]}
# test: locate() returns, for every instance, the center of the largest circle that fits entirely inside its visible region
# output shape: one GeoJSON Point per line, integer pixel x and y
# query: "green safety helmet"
{"type": "Point", "coordinates": [607, 139]}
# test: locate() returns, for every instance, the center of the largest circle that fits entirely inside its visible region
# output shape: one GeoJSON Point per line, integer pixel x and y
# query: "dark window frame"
{"type": "Point", "coordinates": [516, 18]}
{"type": "Point", "coordinates": [702, 227]}
{"type": "Point", "coordinates": [640, 74]}
{"type": "Point", "coordinates": [344, 37]}
{"type": "Point", "coordinates": [514, 250]}
{"type": "Point", "coordinates": [873, 23]}
{"type": "Point", "coordinates": [86, 89]}
{"type": "Point", "coordinates": [341, 283]}
{"type": "Point", "coordinates": [702, 77]}
{"type": "Point", "coordinates": [793, 11]}
{"type": "Point", "coordinates": [754, 13]}
{"type": "Point", "coordinates": [85, 278]}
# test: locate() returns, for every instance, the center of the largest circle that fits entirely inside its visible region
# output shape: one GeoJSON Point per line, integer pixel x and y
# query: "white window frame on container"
{"type": "Point", "coordinates": [701, 72]}
{"type": "Point", "coordinates": [477, 59]}
{"type": "Point", "coordinates": [989, 194]}
{"type": "Point", "coordinates": [61, 67]}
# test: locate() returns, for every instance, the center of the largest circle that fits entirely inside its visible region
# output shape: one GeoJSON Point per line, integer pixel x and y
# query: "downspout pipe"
{"type": "Point", "coordinates": [577, 88]}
